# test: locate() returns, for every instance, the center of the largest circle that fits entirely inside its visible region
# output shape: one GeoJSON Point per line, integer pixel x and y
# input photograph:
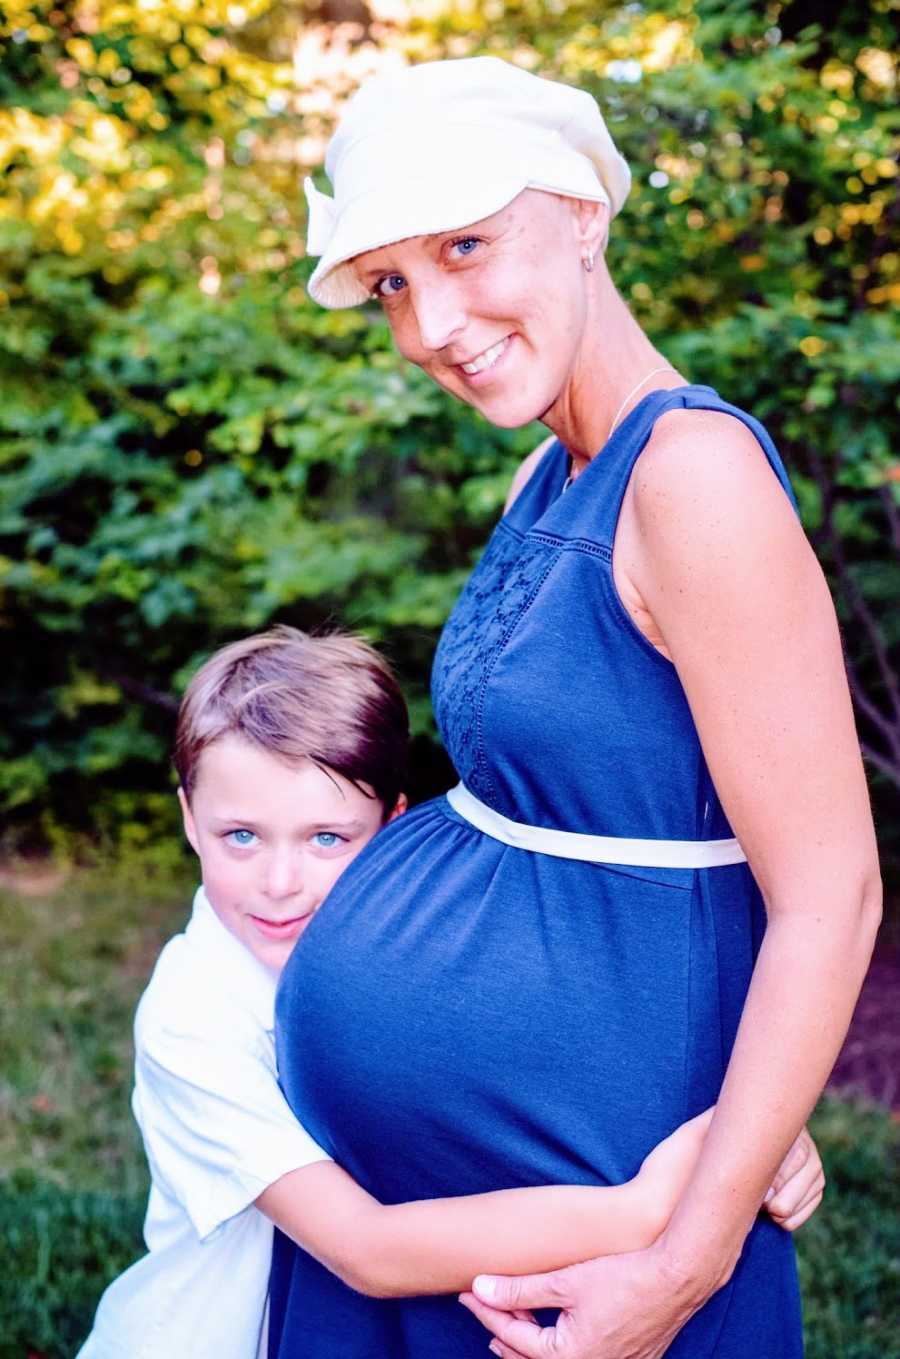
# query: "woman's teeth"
{"type": "Point", "coordinates": [485, 360]}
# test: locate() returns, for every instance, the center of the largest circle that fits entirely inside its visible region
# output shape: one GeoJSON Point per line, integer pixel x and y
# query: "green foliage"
{"type": "Point", "coordinates": [190, 450]}
{"type": "Point", "coordinates": [75, 962]}
{"type": "Point", "coordinates": [849, 1253]}
{"type": "Point", "coordinates": [59, 1248]}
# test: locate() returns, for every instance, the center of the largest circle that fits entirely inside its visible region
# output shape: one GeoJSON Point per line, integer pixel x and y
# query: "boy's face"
{"type": "Point", "coordinates": [273, 838]}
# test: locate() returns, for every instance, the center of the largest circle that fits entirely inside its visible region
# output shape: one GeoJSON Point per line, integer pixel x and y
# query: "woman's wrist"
{"type": "Point", "coordinates": [694, 1267]}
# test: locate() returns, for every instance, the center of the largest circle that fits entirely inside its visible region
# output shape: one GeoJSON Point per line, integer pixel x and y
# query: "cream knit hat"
{"type": "Point", "coordinates": [441, 145]}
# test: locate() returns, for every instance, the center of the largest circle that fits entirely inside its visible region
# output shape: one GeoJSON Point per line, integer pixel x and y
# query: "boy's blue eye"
{"type": "Point", "coordinates": [327, 839]}
{"type": "Point", "coordinates": [241, 837]}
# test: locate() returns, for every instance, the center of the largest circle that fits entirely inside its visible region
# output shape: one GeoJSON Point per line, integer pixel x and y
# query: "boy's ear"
{"type": "Point", "coordinates": [187, 817]}
{"type": "Point", "coordinates": [400, 806]}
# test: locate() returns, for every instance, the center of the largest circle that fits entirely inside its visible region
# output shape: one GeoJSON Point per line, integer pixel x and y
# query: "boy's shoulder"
{"type": "Point", "coordinates": [203, 985]}
{"type": "Point", "coordinates": [179, 984]}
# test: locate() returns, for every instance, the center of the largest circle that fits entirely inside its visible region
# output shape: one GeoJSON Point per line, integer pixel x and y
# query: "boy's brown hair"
{"type": "Point", "coordinates": [331, 699]}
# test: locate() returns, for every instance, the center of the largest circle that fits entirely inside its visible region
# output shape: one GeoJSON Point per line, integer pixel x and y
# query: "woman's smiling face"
{"type": "Point", "coordinates": [494, 313]}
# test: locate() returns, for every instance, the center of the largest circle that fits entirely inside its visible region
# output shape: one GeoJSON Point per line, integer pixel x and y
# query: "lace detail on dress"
{"type": "Point", "coordinates": [499, 591]}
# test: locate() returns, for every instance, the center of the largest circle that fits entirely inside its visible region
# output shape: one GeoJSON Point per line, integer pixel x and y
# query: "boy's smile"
{"type": "Point", "coordinates": [273, 838]}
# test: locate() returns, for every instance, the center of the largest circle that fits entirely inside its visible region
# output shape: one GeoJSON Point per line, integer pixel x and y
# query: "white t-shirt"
{"type": "Point", "coordinates": [217, 1132]}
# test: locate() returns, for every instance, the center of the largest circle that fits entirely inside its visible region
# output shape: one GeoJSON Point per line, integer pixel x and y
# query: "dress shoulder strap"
{"type": "Point", "coordinates": [540, 490]}
{"type": "Point", "coordinates": [589, 508]}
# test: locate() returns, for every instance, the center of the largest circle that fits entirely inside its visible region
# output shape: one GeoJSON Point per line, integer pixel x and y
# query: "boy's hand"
{"type": "Point", "coordinates": [797, 1189]}
{"type": "Point", "coordinates": [793, 1197]}
{"type": "Point", "coordinates": [665, 1172]}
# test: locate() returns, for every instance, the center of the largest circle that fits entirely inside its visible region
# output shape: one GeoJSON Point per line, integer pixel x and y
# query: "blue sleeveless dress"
{"type": "Point", "coordinates": [464, 1016]}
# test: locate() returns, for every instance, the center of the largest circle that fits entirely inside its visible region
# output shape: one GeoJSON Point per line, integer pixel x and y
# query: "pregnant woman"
{"type": "Point", "coordinates": [656, 886]}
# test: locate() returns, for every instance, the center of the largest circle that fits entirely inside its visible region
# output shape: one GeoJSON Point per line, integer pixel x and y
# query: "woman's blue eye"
{"type": "Point", "coordinates": [466, 244]}
{"type": "Point", "coordinates": [327, 839]}
{"type": "Point", "coordinates": [241, 837]}
{"type": "Point", "coordinates": [390, 285]}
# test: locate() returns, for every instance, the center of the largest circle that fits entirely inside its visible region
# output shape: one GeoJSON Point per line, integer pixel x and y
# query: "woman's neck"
{"type": "Point", "coordinates": [616, 368]}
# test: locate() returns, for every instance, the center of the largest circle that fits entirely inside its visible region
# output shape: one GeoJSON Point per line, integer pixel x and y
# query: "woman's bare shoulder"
{"type": "Point", "coordinates": [705, 515]}
{"type": "Point", "coordinates": [697, 454]}
{"type": "Point", "coordinates": [524, 471]}
{"type": "Point", "coordinates": [704, 480]}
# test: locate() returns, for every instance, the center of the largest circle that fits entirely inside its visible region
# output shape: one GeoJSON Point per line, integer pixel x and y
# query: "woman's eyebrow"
{"type": "Point", "coordinates": [436, 241]}
{"type": "Point", "coordinates": [375, 271]}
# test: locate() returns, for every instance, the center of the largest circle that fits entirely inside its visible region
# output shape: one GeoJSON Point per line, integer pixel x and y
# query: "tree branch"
{"type": "Point", "coordinates": [871, 711]}
{"type": "Point", "coordinates": [892, 510]}
{"type": "Point", "coordinates": [884, 766]}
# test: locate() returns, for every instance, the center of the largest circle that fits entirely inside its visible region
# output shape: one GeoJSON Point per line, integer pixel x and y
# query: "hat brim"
{"type": "Point", "coordinates": [426, 207]}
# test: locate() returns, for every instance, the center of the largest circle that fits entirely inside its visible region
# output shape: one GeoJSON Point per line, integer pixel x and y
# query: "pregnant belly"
{"type": "Point", "coordinates": [463, 1016]}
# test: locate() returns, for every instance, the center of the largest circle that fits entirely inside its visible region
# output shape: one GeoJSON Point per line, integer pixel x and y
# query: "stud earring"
{"type": "Point", "coordinates": [587, 260]}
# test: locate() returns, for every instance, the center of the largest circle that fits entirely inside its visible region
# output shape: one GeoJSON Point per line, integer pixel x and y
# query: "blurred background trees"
{"type": "Point", "coordinates": [189, 449]}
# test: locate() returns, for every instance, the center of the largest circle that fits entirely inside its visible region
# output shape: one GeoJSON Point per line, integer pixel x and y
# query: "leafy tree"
{"type": "Point", "coordinates": [189, 449]}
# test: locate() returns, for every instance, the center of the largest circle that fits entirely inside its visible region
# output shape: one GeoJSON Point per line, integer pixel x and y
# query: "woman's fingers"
{"type": "Point", "coordinates": [504, 1351]}
{"type": "Point", "coordinates": [517, 1338]}
{"type": "Point", "coordinates": [521, 1292]}
{"type": "Point", "coordinates": [503, 1306]}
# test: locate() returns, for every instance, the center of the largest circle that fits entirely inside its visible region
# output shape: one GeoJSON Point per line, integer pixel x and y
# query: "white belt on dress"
{"type": "Point", "coordinates": [598, 849]}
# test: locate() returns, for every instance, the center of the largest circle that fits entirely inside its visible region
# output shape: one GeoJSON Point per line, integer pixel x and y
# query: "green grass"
{"type": "Point", "coordinates": [74, 964]}
{"type": "Point", "coordinates": [850, 1250]}
{"type": "Point", "coordinates": [74, 1181]}
{"type": "Point", "coordinates": [59, 1248]}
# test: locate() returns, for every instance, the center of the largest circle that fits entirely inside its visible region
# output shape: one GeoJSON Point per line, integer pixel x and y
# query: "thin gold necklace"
{"type": "Point", "coordinates": [663, 368]}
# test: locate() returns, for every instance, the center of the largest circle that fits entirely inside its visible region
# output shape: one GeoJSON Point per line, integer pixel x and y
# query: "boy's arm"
{"type": "Point", "coordinates": [216, 1127]}
{"type": "Point", "coordinates": [439, 1245]}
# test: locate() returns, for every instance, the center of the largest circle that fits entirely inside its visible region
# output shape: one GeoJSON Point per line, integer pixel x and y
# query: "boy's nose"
{"type": "Point", "coordinates": [284, 876]}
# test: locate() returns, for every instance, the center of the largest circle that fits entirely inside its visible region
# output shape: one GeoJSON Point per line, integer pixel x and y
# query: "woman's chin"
{"type": "Point", "coordinates": [509, 412]}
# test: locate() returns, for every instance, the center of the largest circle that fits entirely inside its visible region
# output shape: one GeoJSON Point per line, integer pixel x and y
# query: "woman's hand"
{"type": "Point", "coordinates": [625, 1306]}
{"type": "Point", "coordinates": [620, 1307]}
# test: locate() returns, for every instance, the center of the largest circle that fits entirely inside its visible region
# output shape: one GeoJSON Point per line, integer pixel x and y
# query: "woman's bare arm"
{"type": "Point", "coordinates": [745, 614]}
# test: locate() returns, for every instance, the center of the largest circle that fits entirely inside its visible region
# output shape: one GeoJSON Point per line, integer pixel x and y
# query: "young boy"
{"type": "Point", "coordinates": [291, 753]}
